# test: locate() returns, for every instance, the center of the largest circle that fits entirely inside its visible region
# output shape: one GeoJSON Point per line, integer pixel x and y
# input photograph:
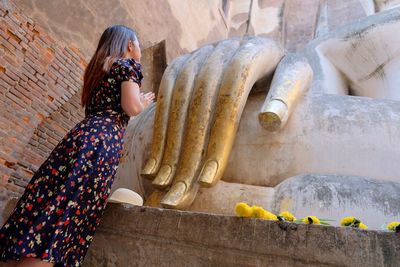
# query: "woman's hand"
{"type": "Point", "coordinates": [147, 98]}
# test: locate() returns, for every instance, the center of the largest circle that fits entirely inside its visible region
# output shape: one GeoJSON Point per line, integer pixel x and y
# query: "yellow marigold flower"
{"type": "Point", "coordinates": [287, 216]}
{"type": "Point", "coordinates": [352, 222]}
{"type": "Point", "coordinates": [259, 212]}
{"type": "Point", "coordinates": [270, 216]}
{"type": "Point", "coordinates": [346, 221]}
{"type": "Point", "coordinates": [362, 226]}
{"type": "Point", "coordinates": [394, 226]}
{"type": "Point", "coordinates": [311, 220]}
{"type": "Point", "coordinates": [243, 210]}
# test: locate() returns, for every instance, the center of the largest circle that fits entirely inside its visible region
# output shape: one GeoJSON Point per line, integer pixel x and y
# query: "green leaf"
{"type": "Point", "coordinates": [324, 223]}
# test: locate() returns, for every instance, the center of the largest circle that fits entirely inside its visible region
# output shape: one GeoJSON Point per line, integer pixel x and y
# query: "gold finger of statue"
{"type": "Point", "coordinates": [201, 107]}
{"type": "Point", "coordinates": [291, 79]}
{"type": "Point", "coordinates": [161, 117]}
{"type": "Point", "coordinates": [253, 61]}
{"type": "Point", "coordinates": [177, 114]}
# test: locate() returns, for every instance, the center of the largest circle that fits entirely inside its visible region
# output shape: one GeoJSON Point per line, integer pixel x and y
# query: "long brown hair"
{"type": "Point", "coordinates": [112, 45]}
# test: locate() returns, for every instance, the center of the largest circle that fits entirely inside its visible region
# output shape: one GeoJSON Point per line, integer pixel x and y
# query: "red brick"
{"type": "Point", "coordinates": [39, 29]}
{"type": "Point", "coordinates": [4, 87]}
{"type": "Point", "coordinates": [28, 68]}
{"type": "Point", "coordinates": [16, 100]}
{"type": "Point", "coordinates": [33, 53]}
{"type": "Point", "coordinates": [61, 65]}
{"type": "Point", "coordinates": [28, 74]}
{"type": "Point", "coordinates": [63, 83]}
{"type": "Point", "coordinates": [30, 25]}
{"type": "Point", "coordinates": [54, 68]}
{"type": "Point", "coordinates": [36, 88]}
{"type": "Point", "coordinates": [25, 92]}
{"type": "Point", "coordinates": [18, 17]}
{"type": "Point", "coordinates": [47, 39]}
{"type": "Point", "coordinates": [12, 60]}
{"type": "Point", "coordinates": [51, 76]}
{"type": "Point", "coordinates": [40, 45]}
{"type": "Point", "coordinates": [25, 47]}
{"type": "Point", "coordinates": [21, 97]}
{"type": "Point", "coordinates": [33, 64]}
{"type": "Point", "coordinates": [11, 74]}
{"type": "Point", "coordinates": [15, 142]}
{"type": "Point", "coordinates": [11, 23]}
{"type": "Point", "coordinates": [18, 73]}
{"type": "Point", "coordinates": [14, 34]}
{"type": "Point", "coordinates": [30, 36]}
{"type": "Point", "coordinates": [6, 79]}
{"type": "Point", "coordinates": [5, 170]}
{"type": "Point", "coordinates": [40, 116]}
{"type": "Point", "coordinates": [15, 44]}
{"type": "Point", "coordinates": [41, 78]}
{"type": "Point", "coordinates": [4, 35]}
{"type": "Point", "coordinates": [8, 46]}
{"type": "Point", "coordinates": [42, 85]}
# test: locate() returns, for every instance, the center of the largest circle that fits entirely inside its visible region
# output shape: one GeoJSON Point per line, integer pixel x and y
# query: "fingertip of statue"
{"type": "Point", "coordinates": [149, 169]}
{"type": "Point", "coordinates": [174, 197]}
{"type": "Point", "coordinates": [163, 178]}
{"type": "Point", "coordinates": [208, 174]}
{"type": "Point", "coordinates": [270, 121]}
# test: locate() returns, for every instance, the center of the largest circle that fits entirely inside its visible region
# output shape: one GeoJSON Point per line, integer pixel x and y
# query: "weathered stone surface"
{"type": "Point", "coordinates": [154, 59]}
{"type": "Point", "coordinates": [333, 14]}
{"type": "Point", "coordinates": [299, 23]}
{"type": "Point", "coordinates": [374, 202]}
{"type": "Point", "coordinates": [138, 236]}
{"type": "Point", "coordinates": [8, 205]}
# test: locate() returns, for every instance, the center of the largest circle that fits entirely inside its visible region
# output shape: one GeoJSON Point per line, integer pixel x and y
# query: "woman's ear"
{"type": "Point", "coordinates": [130, 46]}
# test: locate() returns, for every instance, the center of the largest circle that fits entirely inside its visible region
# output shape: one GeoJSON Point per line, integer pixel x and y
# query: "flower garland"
{"type": "Point", "coordinates": [244, 210]}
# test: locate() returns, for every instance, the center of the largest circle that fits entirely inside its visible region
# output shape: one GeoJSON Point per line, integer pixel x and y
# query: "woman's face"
{"type": "Point", "coordinates": [134, 50]}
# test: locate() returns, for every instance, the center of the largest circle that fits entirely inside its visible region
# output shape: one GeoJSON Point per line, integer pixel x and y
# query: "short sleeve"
{"type": "Point", "coordinates": [130, 71]}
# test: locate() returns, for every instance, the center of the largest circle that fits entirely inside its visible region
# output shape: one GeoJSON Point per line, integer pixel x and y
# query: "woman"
{"type": "Point", "coordinates": [55, 219]}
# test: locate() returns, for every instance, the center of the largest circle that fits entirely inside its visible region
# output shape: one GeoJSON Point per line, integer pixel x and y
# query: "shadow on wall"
{"type": "Point", "coordinates": [86, 20]}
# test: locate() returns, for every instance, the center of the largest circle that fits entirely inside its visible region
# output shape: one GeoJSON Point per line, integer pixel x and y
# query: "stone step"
{"type": "Point", "coordinates": [143, 236]}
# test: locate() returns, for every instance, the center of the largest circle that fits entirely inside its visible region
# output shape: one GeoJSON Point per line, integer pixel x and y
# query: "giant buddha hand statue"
{"type": "Point", "coordinates": [199, 106]}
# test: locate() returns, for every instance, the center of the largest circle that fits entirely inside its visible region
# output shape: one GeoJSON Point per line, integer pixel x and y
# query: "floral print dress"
{"type": "Point", "coordinates": [57, 215]}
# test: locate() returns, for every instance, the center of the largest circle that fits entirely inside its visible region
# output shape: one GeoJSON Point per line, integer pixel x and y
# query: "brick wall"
{"type": "Point", "coordinates": [40, 82]}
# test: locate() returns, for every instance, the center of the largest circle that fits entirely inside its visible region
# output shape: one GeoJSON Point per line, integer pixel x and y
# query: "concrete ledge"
{"type": "Point", "coordinates": [142, 236]}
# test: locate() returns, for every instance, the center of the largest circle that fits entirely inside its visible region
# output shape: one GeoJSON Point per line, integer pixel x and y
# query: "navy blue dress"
{"type": "Point", "coordinates": [57, 215]}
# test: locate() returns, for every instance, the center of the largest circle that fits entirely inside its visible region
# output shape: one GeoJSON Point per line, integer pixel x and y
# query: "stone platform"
{"type": "Point", "coordinates": [143, 236]}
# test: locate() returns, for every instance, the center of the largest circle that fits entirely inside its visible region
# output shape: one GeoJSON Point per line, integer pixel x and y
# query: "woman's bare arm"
{"type": "Point", "coordinates": [132, 101]}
